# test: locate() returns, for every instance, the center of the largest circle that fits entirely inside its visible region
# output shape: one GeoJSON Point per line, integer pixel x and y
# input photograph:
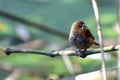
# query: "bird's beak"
{"type": "Point", "coordinates": [83, 26]}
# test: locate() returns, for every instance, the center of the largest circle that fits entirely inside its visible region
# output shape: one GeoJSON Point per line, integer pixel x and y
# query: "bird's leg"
{"type": "Point", "coordinates": [81, 53]}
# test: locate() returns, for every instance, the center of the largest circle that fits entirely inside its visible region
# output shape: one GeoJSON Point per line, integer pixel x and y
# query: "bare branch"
{"type": "Point", "coordinates": [95, 7]}
{"type": "Point", "coordinates": [34, 44]}
{"type": "Point", "coordinates": [118, 39]}
{"type": "Point", "coordinates": [39, 26]}
{"type": "Point", "coordinates": [14, 75]}
{"type": "Point", "coordinates": [9, 51]}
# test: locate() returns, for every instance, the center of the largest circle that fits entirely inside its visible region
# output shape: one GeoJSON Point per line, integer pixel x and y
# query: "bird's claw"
{"type": "Point", "coordinates": [81, 53]}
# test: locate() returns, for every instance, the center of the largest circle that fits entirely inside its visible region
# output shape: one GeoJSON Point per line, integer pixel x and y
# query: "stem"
{"type": "Point", "coordinates": [9, 51]}
{"type": "Point", "coordinates": [118, 60]}
{"type": "Point", "coordinates": [96, 12]}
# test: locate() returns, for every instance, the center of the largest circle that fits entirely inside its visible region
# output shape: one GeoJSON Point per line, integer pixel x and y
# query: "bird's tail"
{"type": "Point", "coordinates": [96, 43]}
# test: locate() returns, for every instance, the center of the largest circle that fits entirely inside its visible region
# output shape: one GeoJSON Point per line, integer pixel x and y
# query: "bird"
{"type": "Point", "coordinates": [81, 37]}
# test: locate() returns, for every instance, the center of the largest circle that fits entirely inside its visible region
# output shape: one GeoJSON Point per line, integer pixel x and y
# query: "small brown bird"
{"type": "Point", "coordinates": [81, 37]}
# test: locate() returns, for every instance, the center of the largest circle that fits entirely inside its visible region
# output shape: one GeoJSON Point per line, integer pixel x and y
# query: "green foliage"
{"type": "Point", "coordinates": [89, 65]}
{"type": "Point", "coordinates": [46, 65]}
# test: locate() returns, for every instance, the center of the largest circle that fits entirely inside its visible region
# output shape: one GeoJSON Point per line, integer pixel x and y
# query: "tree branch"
{"type": "Point", "coordinates": [118, 55]}
{"type": "Point", "coordinates": [99, 29]}
{"type": "Point", "coordinates": [9, 51]}
{"type": "Point", "coordinates": [40, 26]}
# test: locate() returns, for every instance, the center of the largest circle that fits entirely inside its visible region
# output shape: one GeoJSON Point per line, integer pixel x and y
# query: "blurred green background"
{"type": "Point", "coordinates": [57, 14]}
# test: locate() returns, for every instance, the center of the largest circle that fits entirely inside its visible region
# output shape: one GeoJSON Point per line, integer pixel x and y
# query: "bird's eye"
{"type": "Point", "coordinates": [80, 26]}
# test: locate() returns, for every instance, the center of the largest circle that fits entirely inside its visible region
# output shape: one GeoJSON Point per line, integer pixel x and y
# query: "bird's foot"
{"type": "Point", "coordinates": [81, 53]}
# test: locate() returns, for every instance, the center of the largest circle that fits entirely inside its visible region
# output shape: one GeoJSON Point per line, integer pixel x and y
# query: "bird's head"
{"type": "Point", "coordinates": [78, 25]}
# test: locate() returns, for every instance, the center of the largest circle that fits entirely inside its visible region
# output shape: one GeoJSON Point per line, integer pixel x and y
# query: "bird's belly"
{"type": "Point", "coordinates": [81, 42]}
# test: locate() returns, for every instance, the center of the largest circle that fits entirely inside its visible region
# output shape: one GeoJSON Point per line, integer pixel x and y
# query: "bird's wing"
{"type": "Point", "coordinates": [89, 34]}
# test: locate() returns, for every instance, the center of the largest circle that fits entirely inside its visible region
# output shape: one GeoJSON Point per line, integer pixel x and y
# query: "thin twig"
{"type": "Point", "coordinates": [34, 44]}
{"type": "Point", "coordinates": [68, 64]}
{"type": "Point", "coordinates": [40, 26]}
{"type": "Point", "coordinates": [96, 12]}
{"type": "Point", "coordinates": [119, 39]}
{"type": "Point", "coordinates": [14, 75]}
{"type": "Point", "coordinates": [9, 51]}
